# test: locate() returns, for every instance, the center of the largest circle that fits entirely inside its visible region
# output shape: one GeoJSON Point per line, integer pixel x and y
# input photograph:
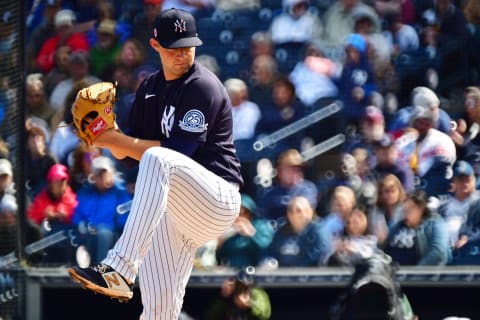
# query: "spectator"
{"type": "Point", "coordinates": [263, 73]}
{"type": "Point", "coordinates": [126, 90]}
{"type": "Point", "coordinates": [386, 154]}
{"type": "Point", "coordinates": [401, 37]}
{"type": "Point", "coordinates": [260, 44]}
{"type": "Point", "coordinates": [60, 70]}
{"type": "Point", "coordinates": [105, 50]}
{"type": "Point", "coordinates": [371, 132]}
{"type": "Point", "coordinates": [466, 135]}
{"type": "Point", "coordinates": [357, 81]}
{"type": "Point", "coordinates": [81, 164]}
{"type": "Point", "coordinates": [245, 116]}
{"type": "Point", "coordinates": [79, 70]}
{"type": "Point", "coordinates": [339, 22]}
{"type": "Point", "coordinates": [142, 27]}
{"type": "Point", "coordinates": [342, 203]}
{"type": "Point", "coordinates": [37, 160]}
{"type": "Point", "coordinates": [295, 24]}
{"type": "Point", "coordinates": [356, 244]}
{"type": "Point", "coordinates": [417, 68]}
{"type": "Point", "coordinates": [133, 55]}
{"type": "Point", "coordinates": [289, 184]}
{"type": "Point", "coordinates": [466, 250]}
{"type": "Point", "coordinates": [388, 210]}
{"type": "Point", "coordinates": [454, 209]}
{"type": "Point", "coordinates": [245, 113]}
{"type": "Point", "coordinates": [52, 210]}
{"type": "Point", "coordinates": [430, 155]}
{"type": "Point", "coordinates": [425, 97]}
{"type": "Point", "coordinates": [64, 139]}
{"type": "Point", "coordinates": [96, 216]}
{"type": "Point", "coordinates": [302, 241]}
{"type": "Point", "coordinates": [421, 238]}
{"type": "Point", "coordinates": [37, 104]}
{"type": "Point", "coordinates": [65, 34]}
{"type": "Point", "coordinates": [312, 76]}
{"type": "Point", "coordinates": [364, 183]}
{"type": "Point", "coordinates": [364, 24]}
{"type": "Point", "coordinates": [42, 32]}
{"type": "Point", "coordinates": [7, 186]}
{"type": "Point", "coordinates": [283, 109]}
{"type": "Point", "coordinates": [240, 299]}
{"type": "Point", "coordinates": [8, 224]}
{"type": "Point", "coordinates": [244, 246]}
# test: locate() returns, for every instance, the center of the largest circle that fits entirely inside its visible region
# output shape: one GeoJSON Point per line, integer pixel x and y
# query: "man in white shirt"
{"type": "Point", "coordinates": [456, 206]}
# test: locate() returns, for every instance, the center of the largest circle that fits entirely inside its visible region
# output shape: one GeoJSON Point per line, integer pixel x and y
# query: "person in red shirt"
{"type": "Point", "coordinates": [65, 35]}
{"type": "Point", "coordinates": [52, 210]}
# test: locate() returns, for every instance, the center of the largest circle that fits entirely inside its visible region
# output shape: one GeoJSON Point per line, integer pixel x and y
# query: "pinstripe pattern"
{"type": "Point", "coordinates": [178, 206]}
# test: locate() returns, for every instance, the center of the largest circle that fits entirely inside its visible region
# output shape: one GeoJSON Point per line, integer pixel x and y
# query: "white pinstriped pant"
{"type": "Point", "coordinates": [178, 206]}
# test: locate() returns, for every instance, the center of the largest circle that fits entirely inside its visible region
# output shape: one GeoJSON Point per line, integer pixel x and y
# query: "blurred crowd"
{"type": "Point", "coordinates": [403, 75]}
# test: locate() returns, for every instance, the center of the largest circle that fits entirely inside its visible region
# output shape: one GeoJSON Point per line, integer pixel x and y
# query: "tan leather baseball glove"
{"type": "Point", "coordinates": [93, 111]}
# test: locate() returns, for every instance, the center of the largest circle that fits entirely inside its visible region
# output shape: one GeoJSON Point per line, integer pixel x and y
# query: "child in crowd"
{"type": "Point", "coordinates": [356, 244]}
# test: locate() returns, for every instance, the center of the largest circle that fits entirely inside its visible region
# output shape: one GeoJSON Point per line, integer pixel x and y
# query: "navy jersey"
{"type": "Point", "coordinates": [191, 115]}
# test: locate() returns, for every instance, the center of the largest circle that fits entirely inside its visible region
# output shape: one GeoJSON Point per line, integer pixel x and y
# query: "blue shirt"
{"type": "Point", "coordinates": [311, 247]}
{"type": "Point", "coordinates": [100, 208]}
{"type": "Point", "coordinates": [191, 115]}
{"type": "Point", "coordinates": [274, 201]}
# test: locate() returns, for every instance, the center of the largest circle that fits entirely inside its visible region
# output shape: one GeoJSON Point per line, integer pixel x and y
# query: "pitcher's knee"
{"type": "Point", "coordinates": [158, 156]}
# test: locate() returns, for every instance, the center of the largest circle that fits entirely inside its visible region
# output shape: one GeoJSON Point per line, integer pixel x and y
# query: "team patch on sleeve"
{"type": "Point", "coordinates": [193, 121]}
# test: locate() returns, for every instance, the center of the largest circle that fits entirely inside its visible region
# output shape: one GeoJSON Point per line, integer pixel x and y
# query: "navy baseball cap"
{"type": "Point", "coordinates": [462, 168]}
{"type": "Point", "coordinates": [175, 28]}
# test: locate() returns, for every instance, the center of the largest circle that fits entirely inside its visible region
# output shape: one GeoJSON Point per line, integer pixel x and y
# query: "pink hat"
{"type": "Point", "coordinates": [373, 114]}
{"type": "Point", "coordinates": [57, 172]}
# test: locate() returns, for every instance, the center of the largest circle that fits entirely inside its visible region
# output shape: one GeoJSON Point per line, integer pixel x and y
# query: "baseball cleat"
{"type": "Point", "coordinates": [104, 280]}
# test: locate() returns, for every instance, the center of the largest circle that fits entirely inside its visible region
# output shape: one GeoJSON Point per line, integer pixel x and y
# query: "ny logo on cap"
{"type": "Point", "coordinates": [180, 25]}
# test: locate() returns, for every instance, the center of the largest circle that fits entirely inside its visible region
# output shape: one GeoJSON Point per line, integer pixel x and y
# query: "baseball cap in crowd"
{"type": "Point", "coordinates": [462, 168]}
{"type": "Point", "coordinates": [175, 28]}
{"type": "Point", "coordinates": [423, 96]}
{"type": "Point", "coordinates": [373, 114]}
{"type": "Point", "coordinates": [6, 167]}
{"type": "Point", "coordinates": [57, 172]}
{"type": "Point", "coordinates": [357, 41]}
{"type": "Point", "coordinates": [422, 112]}
{"type": "Point", "coordinates": [102, 163]}
{"type": "Point", "coordinates": [107, 26]}
{"type": "Point", "coordinates": [65, 17]}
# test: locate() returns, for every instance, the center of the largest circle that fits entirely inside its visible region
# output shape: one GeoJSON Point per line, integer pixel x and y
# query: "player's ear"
{"type": "Point", "coordinates": [154, 44]}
